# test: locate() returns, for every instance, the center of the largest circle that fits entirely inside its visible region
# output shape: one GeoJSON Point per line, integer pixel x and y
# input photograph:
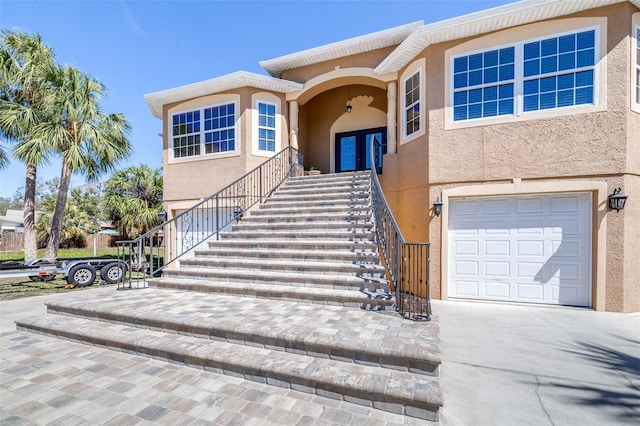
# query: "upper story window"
{"type": "Point", "coordinates": [412, 104]}
{"type": "Point", "coordinates": [553, 72]}
{"type": "Point", "coordinates": [266, 127]}
{"type": "Point", "coordinates": [483, 84]}
{"type": "Point", "coordinates": [192, 137]}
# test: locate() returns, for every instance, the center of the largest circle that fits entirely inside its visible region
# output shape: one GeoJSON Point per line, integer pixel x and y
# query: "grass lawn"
{"type": "Point", "coordinates": [14, 288]}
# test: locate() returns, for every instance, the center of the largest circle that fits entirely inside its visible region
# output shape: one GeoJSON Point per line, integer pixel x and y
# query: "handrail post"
{"type": "Point", "coordinates": [217, 217]}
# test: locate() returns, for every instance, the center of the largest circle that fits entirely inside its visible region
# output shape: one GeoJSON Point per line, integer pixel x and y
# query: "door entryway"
{"type": "Point", "coordinates": [352, 148]}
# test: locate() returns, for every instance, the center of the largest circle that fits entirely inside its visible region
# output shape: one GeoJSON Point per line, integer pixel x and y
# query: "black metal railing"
{"type": "Point", "coordinates": [407, 264]}
{"type": "Point", "coordinates": [150, 253]}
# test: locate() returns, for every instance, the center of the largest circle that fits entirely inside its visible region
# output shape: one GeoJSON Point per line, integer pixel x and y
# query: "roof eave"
{"type": "Point", "coordinates": [157, 100]}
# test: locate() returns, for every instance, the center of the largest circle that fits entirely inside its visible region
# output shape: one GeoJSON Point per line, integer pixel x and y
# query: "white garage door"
{"type": "Point", "coordinates": [525, 249]}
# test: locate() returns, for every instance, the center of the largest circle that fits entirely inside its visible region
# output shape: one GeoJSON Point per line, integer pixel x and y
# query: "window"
{"type": "Point", "coordinates": [483, 84]}
{"type": "Point", "coordinates": [637, 64]}
{"type": "Point", "coordinates": [186, 134]}
{"type": "Point", "coordinates": [217, 131]}
{"type": "Point", "coordinates": [554, 72]}
{"type": "Point", "coordinates": [266, 127]}
{"type": "Point", "coordinates": [412, 104]}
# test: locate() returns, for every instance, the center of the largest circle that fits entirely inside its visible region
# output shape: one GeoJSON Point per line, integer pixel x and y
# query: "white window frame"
{"type": "Point", "coordinates": [274, 128]}
{"type": "Point", "coordinates": [202, 131]}
{"type": "Point", "coordinates": [519, 80]}
{"type": "Point", "coordinates": [405, 107]}
{"type": "Point", "coordinates": [635, 59]}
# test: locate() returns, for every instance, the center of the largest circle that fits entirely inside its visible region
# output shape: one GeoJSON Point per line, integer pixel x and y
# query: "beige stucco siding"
{"type": "Point", "coordinates": [367, 60]}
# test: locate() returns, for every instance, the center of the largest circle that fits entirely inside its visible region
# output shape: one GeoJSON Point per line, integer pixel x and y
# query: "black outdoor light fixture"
{"type": "Point", "coordinates": [237, 212]}
{"type": "Point", "coordinates": [348, 107]}
{"type": "Point", "coordinates": [162, 215]}
{"type": "Point", "coordinates": [437, 207]}
{"type": "Point", "coordinates": [617, 200]}
{"type": "Point", "coordinates": [348, 99]}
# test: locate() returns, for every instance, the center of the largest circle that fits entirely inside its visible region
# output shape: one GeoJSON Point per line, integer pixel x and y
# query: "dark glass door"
{"type": "Point", "coordinates": [352, 149]}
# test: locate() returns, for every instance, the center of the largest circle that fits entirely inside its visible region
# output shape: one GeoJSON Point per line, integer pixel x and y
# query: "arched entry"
{"type": "Point", "coordinates": [352, 149]}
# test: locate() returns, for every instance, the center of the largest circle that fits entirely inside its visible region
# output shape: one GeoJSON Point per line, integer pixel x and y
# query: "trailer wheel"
{"type": "Point", "coordinates": [112, 272]}
{"type": "Point", "coordinates": [82, 275]}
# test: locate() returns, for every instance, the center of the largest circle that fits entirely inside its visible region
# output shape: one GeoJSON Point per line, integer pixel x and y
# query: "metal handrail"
{"type": "Point", "coordinates": [150, 253]}
{"type": "Point", "coordinates": [407, 264]}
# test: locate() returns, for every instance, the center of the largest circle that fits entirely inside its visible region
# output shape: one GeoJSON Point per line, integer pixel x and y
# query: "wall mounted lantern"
{"type": "Point", "coordinates": [437, 207]}
{"type": "Point", "coordinates": [162, 215]}
{"type": "Point", "coordinates": [237, 212]}
{"type": "Point", "coordinates": [617, 200]}
{"type": "Point", "coordinates": [348, 99]}
{"type": "Point", "coordinates": [348, 107]}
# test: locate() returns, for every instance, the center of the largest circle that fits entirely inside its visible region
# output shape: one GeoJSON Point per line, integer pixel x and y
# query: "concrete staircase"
{"type": "Point", "coordinates": [304, 262]}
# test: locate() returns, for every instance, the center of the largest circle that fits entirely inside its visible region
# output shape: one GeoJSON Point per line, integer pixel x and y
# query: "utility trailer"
{"type": "Point", "coordinates": [80, 272]}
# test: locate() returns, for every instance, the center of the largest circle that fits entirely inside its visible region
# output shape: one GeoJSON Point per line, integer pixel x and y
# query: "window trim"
{"type": "Point", "coordinates": [406, 107]}
{"type": "Point", "coordinates": [517, 39]}
{"type": "Point", "coordinates": [275, 128]}
{"type": "Point", "coordinates": [635, 63]}
{"type": "Point", "coordinates": [202, 132]}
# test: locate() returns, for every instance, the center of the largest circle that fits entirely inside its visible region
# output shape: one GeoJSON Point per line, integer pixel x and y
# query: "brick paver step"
{"type": "Point", "coordinates": [364, 337]}
{"type": "Point", "coordinates": [282, 265]}
{"type": "Point", "coordinates": [317, 244]}
{"type": "Point", "coordinates": [348, 235]}
{"type": "Point", "coordinates": [310, 210]}
{"type": "Point", "coordinates": [303, 226]}
{"type": "Point", "coordinates": [301, 254]}
{"type": "Point", "coordinates": [368, 300]}
{"type": "Point", "coordinates": [329, 280]}
{"type": "Point", "coordinates": [389, 390]}
{"type": "Point", "coordinates": [303, 203]}
{"type": "Point", "coordinates": [326, 217]}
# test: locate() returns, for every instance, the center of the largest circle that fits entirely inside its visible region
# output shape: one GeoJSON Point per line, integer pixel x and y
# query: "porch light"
{"type": "Point", "coordinates": [617, 200]}
{"type": "Point", "coordinates": [237, 212]}
{"type": "Point", "coordinates": [162, 215]}
{"type": "Point", "coordinates": [437, 207]}
{"type": "Point", "coordinates": [348, 107]}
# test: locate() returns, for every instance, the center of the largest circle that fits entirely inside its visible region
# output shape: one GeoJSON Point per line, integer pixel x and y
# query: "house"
{"type": "Point", "coordinates": [12, 221]}
{"type": "Point", "coordinates": [522, 120]}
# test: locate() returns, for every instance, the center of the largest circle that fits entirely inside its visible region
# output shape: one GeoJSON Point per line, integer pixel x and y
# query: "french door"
{"type": "Point", "coordinates": [352, 149]}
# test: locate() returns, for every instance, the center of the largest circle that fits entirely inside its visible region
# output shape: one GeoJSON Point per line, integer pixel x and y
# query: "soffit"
{"type": "Point", "coordinates": [235, 80]}
{"type": "Point", "coordinates": [352, 46]}
{"type": "Point", "coordinates": [498, 18]}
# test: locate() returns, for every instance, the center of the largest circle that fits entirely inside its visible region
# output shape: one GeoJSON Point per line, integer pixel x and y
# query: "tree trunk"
{"type": "Point", "coordinates": [30, 243]}
{"type": "Point", "coordinates": [58, 216]}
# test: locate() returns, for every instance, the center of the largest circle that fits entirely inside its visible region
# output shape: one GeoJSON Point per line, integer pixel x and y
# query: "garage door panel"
{"type": "Point", "coordinates": [526, 249]}
{"type": "Point", "coordinates": [527, 292]}
{"type": "Point", "coordinates": [467, 268]}
{"type": "Point", "coordinates": [497, 248]}
{"type": "Point", "coordinates": [529, 205]}
{"type": "Point", "coordinates": [466, 247]}
{"type": "Point", "coordinates": [497, 269]}
{"type": "Point", "coordinates": [498, 290]}
{"type": "Point", "coordinates": [530, 248]}
{"type": "Point", "coordinates": [467, 288]}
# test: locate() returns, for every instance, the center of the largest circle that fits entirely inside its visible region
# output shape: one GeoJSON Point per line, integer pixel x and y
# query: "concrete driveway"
{"type": "Point", "coordinates": [532, 365]}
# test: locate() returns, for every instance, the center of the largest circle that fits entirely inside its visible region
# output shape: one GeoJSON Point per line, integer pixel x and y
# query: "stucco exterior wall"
{"type": "Point", "coordinates": [368, 60]}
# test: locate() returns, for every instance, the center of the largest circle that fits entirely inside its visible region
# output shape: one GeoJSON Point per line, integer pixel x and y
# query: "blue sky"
{"type": "Point", "coordinates": [138, 47]}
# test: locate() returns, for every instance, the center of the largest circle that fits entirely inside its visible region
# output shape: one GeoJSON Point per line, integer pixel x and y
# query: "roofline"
{"type": "Point", "coordinates": [489, 20]}
{"type": "Point", "coordinates": [351, 46]}
{"type": "Point", "coordinates": [235, 80]}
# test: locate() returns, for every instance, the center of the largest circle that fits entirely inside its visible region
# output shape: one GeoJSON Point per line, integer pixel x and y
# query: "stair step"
{"type": "Point", "coordinates": [267, 276]}
{"type": "Point", "coordinates": [304, 203]}
{"type": "Point", "coordinates": [286, 198]}
{"type": "Point", "coordinates": [268, 210]}
{"type": "Point", "coordinates": [327, 217]}
{"type": "Point", "coordinates": [355, 257]}
{"type": "Point", "coordinates": [302, 226]}
{"type": "Point", "coordinates": [389, 390]}
{"type": "Point", "coordinates": [315, 244]}
{"type": "Point", "coordinates": [364, 299]}
{"type": "Point", "coordinates": [290, 266]}
{"type": "Point", "coordinates": [325, 235]}
{"type": "Point", "coordinates": [276, 325]}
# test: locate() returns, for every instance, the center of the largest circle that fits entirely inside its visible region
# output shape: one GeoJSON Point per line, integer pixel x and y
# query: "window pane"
{"type": "Point", "coordinates": [549, 47]}
{"type": "Point", "coordinates": [475, 61]}
{"type": "Point", "coordinates": [490, 109]}
{"type": "Point", "coordinates": [491, 75]}
{"type": "Point", "coordinates": [460, 98]}
{"type": "Point", "coordinates": [491, 59]}
{"type": "Point", "coordinates": [460, 64]}
{"type": "Point", "coordinates": [490, 93]}
{"type": "Point", "coordinates": [506, 72]}
{"type": "Point", "coordinates": [567, 61]}
{"type": "Point", "coordinates": [532, 50]}
{"type": "Point", "coordinates": [531, 67]}
{"type": "Point", "coordinates": [475, 78]}
{"type": "Point", "coordinates": [586, 39]}
{"type": "Point", "coordinates": [567, 43]}
{"type": "Point", "coordinates": [585, 58]}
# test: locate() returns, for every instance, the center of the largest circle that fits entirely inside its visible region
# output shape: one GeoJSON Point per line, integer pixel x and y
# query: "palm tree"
{"type": "Point", "coordinates": [90, 142]}
{"type": "Point", "coordinates": [4, 158]}
{"type": "Point", "coordinates": [133, 199]}
{"type": "Point", "coordinates": [24, 63]}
